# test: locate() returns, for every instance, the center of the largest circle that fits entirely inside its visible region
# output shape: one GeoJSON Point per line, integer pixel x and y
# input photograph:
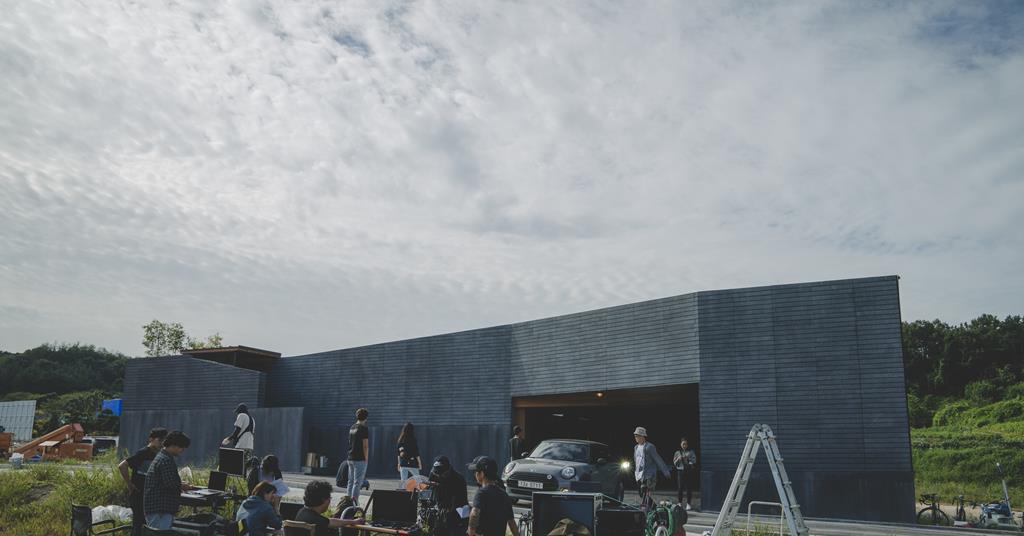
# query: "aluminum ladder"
{"type": "Point", "coordinates": [760, 435]}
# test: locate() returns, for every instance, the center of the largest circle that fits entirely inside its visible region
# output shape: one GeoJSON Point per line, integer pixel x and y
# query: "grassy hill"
{"type": "Point", "coordinates": [958, 454]}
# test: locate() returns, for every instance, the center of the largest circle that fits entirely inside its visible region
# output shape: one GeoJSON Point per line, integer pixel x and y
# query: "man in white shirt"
{"type": "Point", "coordinates": [245, 427]}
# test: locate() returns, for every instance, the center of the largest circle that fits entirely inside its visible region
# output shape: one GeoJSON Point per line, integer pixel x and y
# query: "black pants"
{"type": "Point", "coordinates": [683, 485]}
{"type": "Point", "coordinates": [138, 515]}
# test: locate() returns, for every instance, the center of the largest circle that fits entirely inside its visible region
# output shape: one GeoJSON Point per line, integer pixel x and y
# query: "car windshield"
{"type": "Point", "coordinates": [565, 452]}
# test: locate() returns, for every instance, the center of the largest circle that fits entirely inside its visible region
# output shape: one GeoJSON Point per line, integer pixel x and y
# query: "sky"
{"type": "Point", "coordinates": [303, 176]}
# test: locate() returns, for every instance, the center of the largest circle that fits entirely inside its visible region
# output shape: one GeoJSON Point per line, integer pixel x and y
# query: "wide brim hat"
{"type": "Point", "coordinates": [640, 431]}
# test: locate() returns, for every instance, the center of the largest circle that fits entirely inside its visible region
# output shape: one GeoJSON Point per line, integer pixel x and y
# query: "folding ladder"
{"type": "Point", "coordinates": [760, 435]}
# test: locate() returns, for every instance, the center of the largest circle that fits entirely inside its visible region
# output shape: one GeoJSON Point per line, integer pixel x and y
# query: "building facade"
{"type": "Point", "coordinates": [819, 362]}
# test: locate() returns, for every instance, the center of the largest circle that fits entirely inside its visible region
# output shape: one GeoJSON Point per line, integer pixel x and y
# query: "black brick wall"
{"type": "Point", "coordinates": [819, 362]}
{"type": "Point", "coordinates": [180, 382]}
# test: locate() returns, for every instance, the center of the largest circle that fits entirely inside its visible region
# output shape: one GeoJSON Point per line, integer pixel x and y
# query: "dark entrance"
{"type": "Point", "coordinates": [668, 413]}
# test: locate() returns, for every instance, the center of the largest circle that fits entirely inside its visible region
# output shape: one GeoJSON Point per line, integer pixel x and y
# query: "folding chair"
{"type": "Point", "coordinates": [82, 525]}
{"type": "Point", "coordinates": [298, 528]}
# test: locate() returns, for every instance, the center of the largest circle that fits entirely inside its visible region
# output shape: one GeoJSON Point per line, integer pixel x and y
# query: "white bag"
{"type": "Point", "coordinates": [112, 512]}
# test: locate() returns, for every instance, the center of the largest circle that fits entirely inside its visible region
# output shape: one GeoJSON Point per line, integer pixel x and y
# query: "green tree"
{"type": "Point", "coordinates": [161, 338]}
{"type": "Point", "coordinates": [63, 368]}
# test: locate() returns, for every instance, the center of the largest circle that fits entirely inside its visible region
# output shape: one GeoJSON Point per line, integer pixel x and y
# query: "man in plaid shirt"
{"type": "Point", "coordinates": [162, 494]}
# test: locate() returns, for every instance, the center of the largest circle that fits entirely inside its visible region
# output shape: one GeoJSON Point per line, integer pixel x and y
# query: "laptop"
{"type": "Point", "coordinates": [290, 510]}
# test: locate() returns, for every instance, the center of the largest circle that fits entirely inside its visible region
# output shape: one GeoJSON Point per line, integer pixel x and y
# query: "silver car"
{"type": "Point", "coordinates": [556, 463]}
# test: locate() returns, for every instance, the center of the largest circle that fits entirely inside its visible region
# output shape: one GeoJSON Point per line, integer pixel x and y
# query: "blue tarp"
{"type": "Point", "coordinates": [113, 405]}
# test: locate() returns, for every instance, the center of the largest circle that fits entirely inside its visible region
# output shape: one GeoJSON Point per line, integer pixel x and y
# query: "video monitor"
{"type": "Point", "coordinates": [394, 505]}
{"type": "Point", "coordinates": [550, 508]}
{"type": "Point", "coordinates": [231, 461]}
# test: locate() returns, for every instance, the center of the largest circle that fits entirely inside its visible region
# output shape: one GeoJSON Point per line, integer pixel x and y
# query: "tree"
{"type": "Point", "coordinates": [161, 338]}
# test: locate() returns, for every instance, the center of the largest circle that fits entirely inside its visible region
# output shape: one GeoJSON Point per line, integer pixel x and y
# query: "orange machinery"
{"type": "Point", "coordinates": [6, 438]}
{"type": "Point", "coordinates": [64, 442]}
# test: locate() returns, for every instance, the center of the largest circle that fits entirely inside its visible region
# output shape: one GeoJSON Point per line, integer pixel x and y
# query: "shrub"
{"type": "Point", "coordinates": [981, 392]}
{"type": "Point", "coordinates": [1014, 391]}
{"type": "Point", "coordinates": [950, 414]}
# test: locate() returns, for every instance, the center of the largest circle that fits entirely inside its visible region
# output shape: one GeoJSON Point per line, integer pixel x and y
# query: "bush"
{"type": "Point", "coordinates": [950, 414]}
{"type": "Point", "coordinates": [981, 393]}
{"type": "Point", "coordinates": [1014, 391]}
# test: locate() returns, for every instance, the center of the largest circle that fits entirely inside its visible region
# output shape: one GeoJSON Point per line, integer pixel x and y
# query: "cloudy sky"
{"type": "Point", "coordinates": [304, 176]}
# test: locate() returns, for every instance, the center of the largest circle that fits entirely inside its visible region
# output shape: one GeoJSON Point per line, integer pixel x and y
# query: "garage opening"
{"type": "Point", "coordinates": [667, 412]}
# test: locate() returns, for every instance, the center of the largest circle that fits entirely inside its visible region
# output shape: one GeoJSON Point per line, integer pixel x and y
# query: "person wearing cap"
{"type": "Point", "coordinates": [647, 463]}
{"type": "Point", "coordinates": [492, 509]}
{"type": "Point", "coordinates": [245, 427]}
{"type": "Point", "coordinates": [450, 495]}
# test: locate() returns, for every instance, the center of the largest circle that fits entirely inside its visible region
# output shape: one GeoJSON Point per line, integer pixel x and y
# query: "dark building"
{"type": "Point", "coordinates": [819, 362]}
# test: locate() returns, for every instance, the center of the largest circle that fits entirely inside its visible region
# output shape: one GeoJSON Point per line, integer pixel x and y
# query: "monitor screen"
{"type": "Point", "coordinates": [394, 505]}
{"type": "Point", "coordinates": [232, 461]}
{"type": "Point", "coordinates": [550, 508]}
{"type": "Point", "coordinates": [218, 480]}
{"type": "Point", "coordinates": [290, 510]}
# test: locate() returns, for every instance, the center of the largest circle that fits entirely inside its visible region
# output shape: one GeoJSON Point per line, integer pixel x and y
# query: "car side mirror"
{"type": "Point", "coordinates": [602, 461]}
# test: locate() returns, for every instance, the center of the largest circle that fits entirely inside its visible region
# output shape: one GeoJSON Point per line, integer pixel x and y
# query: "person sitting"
{"type": "Point", "coordinates": [270, 471]}
{"type": "Point", "coordinates": [258, 511]}
{"type": "Point", "coordinates": [316, 500]}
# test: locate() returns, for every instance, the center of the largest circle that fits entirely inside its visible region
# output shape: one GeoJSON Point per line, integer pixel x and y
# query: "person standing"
{"type": "Point", "coordinates": [358, 453]}
{"type": "Point", "coordinates": [647, 462]}
{"type": "Point", "coordinates": [492, 509]}
{"type": "Point", "coordinates": [449, 494]}
{"type": "Point", "coordinates": [517, 445]}
{"type": "Point", "coordinates": [243, 434]}
{"type": "Point", "coordinates": [139, 465]}
{"type": "Point", "coordinates": [162, 492]}
{"type": "Point", "coordinates": [685, 462]}
{"type": "Point", "coordinates": [409, 462]}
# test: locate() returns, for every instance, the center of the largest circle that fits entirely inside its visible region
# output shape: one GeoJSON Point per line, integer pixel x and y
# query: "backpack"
{"type": "Point", "coordinates": [341, 479]}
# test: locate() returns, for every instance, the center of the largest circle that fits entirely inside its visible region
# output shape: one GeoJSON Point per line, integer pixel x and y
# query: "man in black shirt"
{"type": "Point", "coordinates": [316, 500]}
{"type": "Point", "coordinates": [139, 465]}
{"type": "Point", "coordinates": [492, 509]}
{"type": "Point", "coordinates": [358, 453]}
{"type": "Point", "coordinates": [449, 494]}
{"type": "Point", "coordinates": [517, 445]}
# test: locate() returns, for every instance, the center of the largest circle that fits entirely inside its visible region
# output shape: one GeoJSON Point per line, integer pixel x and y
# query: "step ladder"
{"type": "Point", "coordinates": [760, 435]}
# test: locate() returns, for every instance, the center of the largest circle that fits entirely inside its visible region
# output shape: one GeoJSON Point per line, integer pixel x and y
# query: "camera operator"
{"type": "Point", "coordinates": [449, 495]}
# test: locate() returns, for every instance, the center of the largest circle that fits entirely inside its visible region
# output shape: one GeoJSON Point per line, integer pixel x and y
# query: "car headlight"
{"type": "Point", "coordinates": [625, 466]}
{"type": "Point", "coordinates": [568, 472]}
{"type": "Point", "coordinates": [510, 467]}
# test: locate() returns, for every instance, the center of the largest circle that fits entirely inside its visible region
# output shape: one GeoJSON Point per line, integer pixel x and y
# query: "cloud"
{"type": "Point", "coordinates": [310, 175]}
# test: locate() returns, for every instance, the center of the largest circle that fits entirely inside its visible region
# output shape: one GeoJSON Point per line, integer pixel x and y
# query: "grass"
{"type": "Point", "coordinates": [37, 500]}
{"type": "Point", "coordinates": [959, 454]}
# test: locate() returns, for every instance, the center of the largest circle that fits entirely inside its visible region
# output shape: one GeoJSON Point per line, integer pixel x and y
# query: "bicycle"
{"type": "Point", "coordinates": [932, 514]}
{"type": "Point", "coordinates": [961, 514]}
{"type": "Point", "coordinates": [526, 523]}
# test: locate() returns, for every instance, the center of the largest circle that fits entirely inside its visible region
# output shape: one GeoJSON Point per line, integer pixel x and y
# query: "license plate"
{"type": "Point", "coordinates": [531, 485]}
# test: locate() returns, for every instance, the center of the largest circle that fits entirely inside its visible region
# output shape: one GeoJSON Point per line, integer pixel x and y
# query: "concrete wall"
{"type": "Point", "coordinates": [179, 382]}
{"type": "Point", "coordinates": [821, 363]}
{"type": "Point", "coordinates": [278, 431]}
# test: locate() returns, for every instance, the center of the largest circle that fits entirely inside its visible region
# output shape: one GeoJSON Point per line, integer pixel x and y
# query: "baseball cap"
{"type": "Point", "coordinates": [485, 464]}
